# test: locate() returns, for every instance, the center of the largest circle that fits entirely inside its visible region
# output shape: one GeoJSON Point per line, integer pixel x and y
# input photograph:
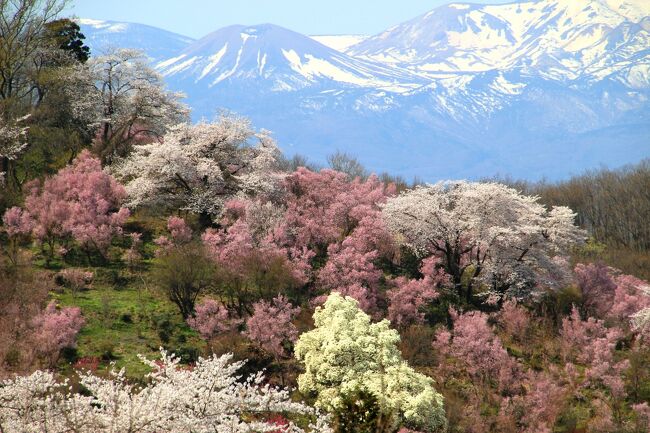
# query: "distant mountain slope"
{"type": "Point", "coordinates": [339, 42]}
{"type": "Point", "coordinates": [536, 89]}
{"type": "Point", "coordinates": [157, 43]}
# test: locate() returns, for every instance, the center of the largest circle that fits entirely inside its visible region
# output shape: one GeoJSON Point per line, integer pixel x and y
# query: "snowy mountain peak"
{"type": "Point", "coordinates": [557, 39]}
{"type": "Point", "coordinates": [284, 59]}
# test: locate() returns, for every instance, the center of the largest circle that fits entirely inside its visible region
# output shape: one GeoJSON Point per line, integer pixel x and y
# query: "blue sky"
{"type": "Point", "coordinates": [197, 18]}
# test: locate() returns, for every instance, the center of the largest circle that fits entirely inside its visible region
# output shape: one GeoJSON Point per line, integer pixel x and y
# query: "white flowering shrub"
{"type": "Point", "coordinates": [208, 397]}
{"type": "Point", "coordinates": [347, 353]}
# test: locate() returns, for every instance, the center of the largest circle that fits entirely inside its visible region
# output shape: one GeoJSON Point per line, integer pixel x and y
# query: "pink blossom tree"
{"type": "Point", "coordinates": [408, 296]}
{"type": "Point", "coordinates": [212, 318]}
{"type": "Point", "coordinates": [81, 201]}
{"type": "Point", "coordinates": [270, 325]}
{"type": "Point", "coordinates": [473, 342]}
{"type": "Point", "coordinates": [596, 287]}
{"type": "Point", "coordinates": [592, 344]}
{"type": "Point", "coordinates": [75, 279]}
{"type": "Point", "coordinates": [351, 273]}
{"type": "Point", "coordinates": [351, 268]}
{"type": "Point", "coordinates": [630, 297]}
{"type": "Point", "coordinates": [55, 329]}
{"type": "Point", "coordinates": [179, 230]}
{"type": "Point", "coordinates": [514, 320]}
{"type": "Point", "coordinates": [324, 207]}
{"type": "Point", "coordinates": [18, 225]}
{"type": "Point", "coordinates": [179, 234]}
{"type": "Point", "coordinates": [538, 408]}
{"type": "Point", "coordinates": [133, 255]}
{"type": "Point", "coordinates": [249, 271]}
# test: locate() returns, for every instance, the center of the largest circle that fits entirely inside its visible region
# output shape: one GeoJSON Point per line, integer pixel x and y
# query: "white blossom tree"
{"type": "Point", "coordinates": [641, 319]}
{"type": "Point", "coordinates": [486, 233]}
{"type": "Point", "coordinates": [198, 167]}
{"type": "Point", "coordinates": [135, 106]}
{"type": "Point", "coordinates": [13, 142]}
{"type": "Point", "coordinates": [209, 397]}
{"type": "Point", "coordinates": [347, 354]}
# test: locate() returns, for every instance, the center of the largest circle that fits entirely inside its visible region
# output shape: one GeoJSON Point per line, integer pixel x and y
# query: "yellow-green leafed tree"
{"type": "Point", "coordinates": [346, 354]}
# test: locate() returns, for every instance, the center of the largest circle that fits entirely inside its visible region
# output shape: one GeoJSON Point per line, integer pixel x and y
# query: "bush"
{"type": "Point", "coordinates": [183, 272]}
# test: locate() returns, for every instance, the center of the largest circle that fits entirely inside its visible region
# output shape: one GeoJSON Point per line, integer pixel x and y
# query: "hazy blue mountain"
{"type": "Point", "coordinates": [157, 43]}
{"type": "Point", "coordinates": [530, 89]}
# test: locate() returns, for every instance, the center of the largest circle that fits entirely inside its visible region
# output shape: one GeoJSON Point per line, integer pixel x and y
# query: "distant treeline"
{"type": "Point", "coordinates": [613, 205]}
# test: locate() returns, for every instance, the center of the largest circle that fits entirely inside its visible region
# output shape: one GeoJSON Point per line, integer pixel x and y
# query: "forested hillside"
{"type": "Point", "coordinates": [162, 276]}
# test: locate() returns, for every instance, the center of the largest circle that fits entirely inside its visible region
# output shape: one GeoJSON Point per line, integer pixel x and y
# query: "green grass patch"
{"type": "Point", "coordinates": [134, 319]}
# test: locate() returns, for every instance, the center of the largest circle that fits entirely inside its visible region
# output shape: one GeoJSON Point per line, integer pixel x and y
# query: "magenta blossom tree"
{"type": "Point", "coordinates": [55, 329]}
{"type": "Point", "coordinates": [212, 318]}
{"type": "Point", "coordinates": [81, 202]}
{"type": "Point", "coordinates": [408, 296]}
{"type": "Point", "coordinates": [270, 325]}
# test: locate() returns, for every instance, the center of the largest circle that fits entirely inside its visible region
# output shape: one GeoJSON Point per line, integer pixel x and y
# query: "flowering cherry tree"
{"type": "Point", "coordinates": [206, 398]}
{"type": "Point", "coordinates": [75, 279]}
{"type": "Point", "coordinates": [351, 273]}
{"type": "Point", "coordinates": [270, 325]}
{"type": "Point", "coordinates": [499, 237]}
{"type": "Point", "coordinates": [597, 287]}
{"type": "Point", "coordinates": [55, 329]}
{"type": "Point", "coordinates": [179, 234]}
{"type": "Point", "coordinates": [199, 167]}
{"type": "Point", "coordinates": [18, 225]}
{"type": "Point", "coordinates": [514, 319]}
{"type": "Point", "coordinates": [474, 343]}
{"type": "Point", "coordinates": [13, 142]}
{"type": "Point", "coordinates": [592, 344]}
{"type": "Point", "coordinates": [409, 295]}
{"type": "Point", "coordinates": [324, 207]}
{"type": "Point", "coordinates": [211, 318]}
{"type": "Point", "coordinates": [131, 102]}
{"type": "Point", "coordinates": [250, 270]}
{"type": "Point", "coordinates": [81, 201]}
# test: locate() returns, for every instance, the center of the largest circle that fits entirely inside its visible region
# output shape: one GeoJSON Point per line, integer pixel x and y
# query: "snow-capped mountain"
{"type": "Point", "coordinates": [159, 44]}
{"type": "Point", "coordinates": [555, 39]}
{"type": "Point", "coordinates": [278, 59]}
{"type": "Point", "coordinates": [531, 89]}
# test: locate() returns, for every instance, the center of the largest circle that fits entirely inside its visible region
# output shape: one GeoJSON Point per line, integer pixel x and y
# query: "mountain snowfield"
{"type": "Point", "coordinates": [536, 89]}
